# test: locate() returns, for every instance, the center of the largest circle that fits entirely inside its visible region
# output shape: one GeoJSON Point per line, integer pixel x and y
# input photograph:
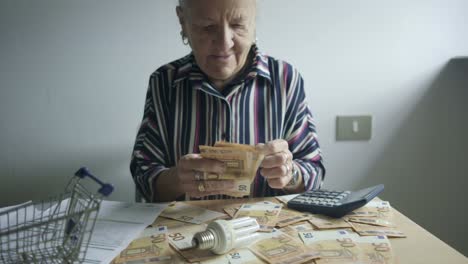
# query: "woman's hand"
{"type": "Point", "coordinates": [192, 173]}
{"type": "Point", "coordinates": [277, 164]}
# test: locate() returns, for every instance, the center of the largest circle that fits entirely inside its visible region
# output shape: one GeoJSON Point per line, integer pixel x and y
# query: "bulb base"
{"type": "Point", "coordinates": [204, 240]}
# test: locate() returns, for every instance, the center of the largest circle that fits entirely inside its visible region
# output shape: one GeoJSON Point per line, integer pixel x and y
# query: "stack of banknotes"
{"type": "Point", "coordinates": [242, 162]}
{"type": "Point", "coordinates": [285, 237]}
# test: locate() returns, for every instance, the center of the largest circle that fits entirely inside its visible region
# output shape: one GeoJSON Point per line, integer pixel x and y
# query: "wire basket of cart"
{"type": "Point", "coordinates": [56, 230]}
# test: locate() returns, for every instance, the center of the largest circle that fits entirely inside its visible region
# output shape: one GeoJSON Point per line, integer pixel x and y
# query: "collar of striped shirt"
{"type": "Point", "coordinates": [190, 70]}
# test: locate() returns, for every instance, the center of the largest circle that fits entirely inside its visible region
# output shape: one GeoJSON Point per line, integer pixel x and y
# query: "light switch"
{"type": "Point", "coordinates": [354, 127]}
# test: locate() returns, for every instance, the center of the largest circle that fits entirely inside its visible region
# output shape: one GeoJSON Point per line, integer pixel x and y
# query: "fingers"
{"type": "Point", "coordinates": [273, 146]}
{"type": "Point", "coordinates": [276, 172]}
{"type": "Point", "coordinates": [277, 159]}
{"type": "Point", "coordinates": [277, 164]}
{"type": "Point", "coordinates": [278, 183]}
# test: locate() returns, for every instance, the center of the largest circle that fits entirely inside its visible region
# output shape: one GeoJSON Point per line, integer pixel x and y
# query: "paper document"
{"type": "Point", "coordinates": [117, 225]}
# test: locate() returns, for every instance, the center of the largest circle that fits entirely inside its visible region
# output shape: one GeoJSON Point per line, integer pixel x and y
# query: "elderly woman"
{"type": "Point", "coordinates": [224, 90]}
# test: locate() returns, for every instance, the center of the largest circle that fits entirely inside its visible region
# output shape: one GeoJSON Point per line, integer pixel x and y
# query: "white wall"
{"type": "Point", "coordinates": [73, 77]}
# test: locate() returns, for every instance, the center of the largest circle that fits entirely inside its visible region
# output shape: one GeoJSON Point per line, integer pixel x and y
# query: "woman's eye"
{"type": "Point", "coordinates": [239, 26]}
{"type": "Point", "coordinates": [209, 27]}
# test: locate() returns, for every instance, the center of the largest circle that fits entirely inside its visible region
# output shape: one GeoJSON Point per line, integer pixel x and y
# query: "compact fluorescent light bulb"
{"type": "Point", "coordinates": [221, 235]}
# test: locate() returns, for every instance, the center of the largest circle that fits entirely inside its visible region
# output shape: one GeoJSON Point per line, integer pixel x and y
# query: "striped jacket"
{"type": "Point", "coordinates": [183, 110]}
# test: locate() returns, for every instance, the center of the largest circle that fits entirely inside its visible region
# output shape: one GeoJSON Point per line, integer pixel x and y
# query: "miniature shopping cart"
{"type": "Point", "coordinates": [57, 230]}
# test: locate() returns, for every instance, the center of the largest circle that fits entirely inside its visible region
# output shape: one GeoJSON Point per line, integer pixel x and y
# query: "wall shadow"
{"type": "Point", "coordinates": [425, 165]}
{"type": "Point", "coordinates": [44, 178]}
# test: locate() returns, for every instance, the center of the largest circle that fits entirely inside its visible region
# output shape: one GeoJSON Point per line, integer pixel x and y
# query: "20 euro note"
{"type": "Point", "coordinates": [150, 247]}
{"type": "Point", "coordinates": [334, 246]}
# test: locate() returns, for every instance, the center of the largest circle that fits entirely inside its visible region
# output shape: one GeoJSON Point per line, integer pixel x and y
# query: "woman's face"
{"type": "Point", "coordinates": [220, 33]}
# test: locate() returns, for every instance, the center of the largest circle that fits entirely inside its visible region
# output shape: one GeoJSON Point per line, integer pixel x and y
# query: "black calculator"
{"type": "Point", "coordinates": [333, 203]}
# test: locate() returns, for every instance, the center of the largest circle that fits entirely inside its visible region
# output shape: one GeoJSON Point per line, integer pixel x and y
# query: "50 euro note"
{"type": "Point", "coordinates": [236, 256]}
{"type": "Point", "coordinates": [376, 250]}
{"type": "Point", "coordinates": [241, 188]}
{"type": "Point", "coordinates": [150, 247]}
{"type": "Point", "coordinates": [371, 221]}
{"type": "Point", "coordinates": [242, 161]}
{"type": "Point", "coordinates": [266, 214]}
{"type": "Point", "coordinates": [380, 209]}
{"type": "Point", "coordinates": [181, 240]}
{"type": "Point", "coordinates": [190, 214]}
{"type": "Point", "coordinates": [333, 246]}
{"type": "Point", "coordinates": [281, 248]}
{"type": "Point", "coordinates": [326, 222]}
{"type": "Point", "coordinates": [373, 230]}
{"type": "Point", "coordinates": [257, 157]}
{"type": "Point", "coordinates": [288, 217]}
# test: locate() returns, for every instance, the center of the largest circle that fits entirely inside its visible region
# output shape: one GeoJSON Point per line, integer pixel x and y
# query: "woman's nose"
{"type": "Point", "coordinates": [224, 38]}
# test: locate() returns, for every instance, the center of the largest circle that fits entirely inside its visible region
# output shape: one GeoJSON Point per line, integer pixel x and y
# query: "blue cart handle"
{"type": "Point", "coordinates": [105, 189]}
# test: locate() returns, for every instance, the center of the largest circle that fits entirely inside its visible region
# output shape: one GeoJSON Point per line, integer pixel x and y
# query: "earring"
{"type": "Point", "coordinates": [185, 40]}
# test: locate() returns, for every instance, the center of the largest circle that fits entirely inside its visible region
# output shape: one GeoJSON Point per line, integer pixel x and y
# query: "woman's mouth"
{"type": "Point", "coordinates": [221, 58]}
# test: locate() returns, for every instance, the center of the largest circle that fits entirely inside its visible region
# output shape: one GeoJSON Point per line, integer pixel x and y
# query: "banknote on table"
{"type": "Point", "coordinates": [181, 240]}
{"type": "Point", "coordinates": [169, 223]}
{"type": "Point", "coordinates": [266, 214]}
{"type": "Point", "coordinates": [236, 256]}
{"type": "Point", "coordinates": [375, 250]}
{"type": "Point", "coordinates": [190, 214]}
{"type": "Point", "coordinates": [243, 256]}
{"type": "Point", "coordinates": [333, 246]}
{"type": "Point", "coordinates": [381, 209]}
{"type": "Point", "coordinates": [286, 198]}
{"type": "Point", "coordinates": [231, 210]}
{"type": "Point", "coordinates": [326, 222]}
{"type": "Point", "coordinates": [294, 229]}
{"type": "Point", "coordinates": [282, 249]}
{"type": "Point", "coordinates": [150, 247]}
{"type": "Point", "coordinates": [372, 230]}
{"type": "Point", "coordinates": [287, 217]}
{"type": "Point", "coordinates": [371, 221]}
